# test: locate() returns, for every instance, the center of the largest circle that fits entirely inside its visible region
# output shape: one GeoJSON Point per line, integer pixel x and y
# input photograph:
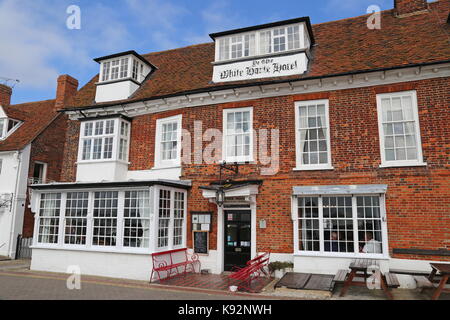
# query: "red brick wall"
{"type": "Point", "coordinates": [418, 198]}
{"type": "Point", "coordinates": [47, 148]}
{"type": "Point", "coordinates": [5, 95]}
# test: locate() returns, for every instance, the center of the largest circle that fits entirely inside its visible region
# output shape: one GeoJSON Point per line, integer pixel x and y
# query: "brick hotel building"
{"type": "Point", "coordinates": [357, 124]}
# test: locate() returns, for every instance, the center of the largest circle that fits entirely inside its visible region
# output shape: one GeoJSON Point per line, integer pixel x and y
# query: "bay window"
{"type": "Point", "coordinates": [312, 135]}
{"type": "Point", "coordinates": [113, 220]}
{"type": "Point", "coordinates": [168, 142]}
{"type": "Point", "coordinates": [399, 128]}
{"type": "Point", "coordinates": [102, 140]}
{"type": "Point", "coordinates": [340, 225]}
{"type": "Point", "coordinates": [238, 135]}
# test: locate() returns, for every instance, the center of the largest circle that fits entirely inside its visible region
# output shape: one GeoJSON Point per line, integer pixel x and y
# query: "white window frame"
{"type": "Point", "coordinates": [4, 133]}
{"type": "Point", "coordinates": [225, 42]}
{"type": "Point", "coordinates": [322, 252]}
{"type": "Point", "coordinates": [123, 74]}
{"type": "Point", "coordinates": [44, 171]}
{"type": "Point", "coordinates": [159, 162]}
{"type": "Point", "coordinates": [225, 157]}
{"type": "Point", "coordinates": [116, 135]}
{"type": "Point", "coordinates": [298, 151]}
{"type": "Point", "coordinates": [170, 241]}
{"type": "Point", "coordinates": [400, 163]}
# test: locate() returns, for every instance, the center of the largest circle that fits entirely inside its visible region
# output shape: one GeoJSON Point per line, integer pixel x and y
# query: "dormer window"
{"type": "Point", "coordinates": [270, 50]}
{"type": "Point", "coordinates": [8, 126]}
{"type": "Point", "coordinates": [121, 75]}
{"type": "Point", "coordinates": [256, 43]}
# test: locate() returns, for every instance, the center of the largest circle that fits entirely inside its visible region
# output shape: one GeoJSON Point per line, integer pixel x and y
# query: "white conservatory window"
{"type": "Point", "coordinates": [171, 216]}
{"type": "Point", "coordinates": [238, 135]}
{"type": "Point", "coordinates": [398, 120]}
{"type": "Point", "coordinates": [49, 214]}
{"type": "Point", "coordinates": [168, 141]}
{"type": "Point", "coordinates": [342, 225]}
{"type": "Point", "coordinates": [104, 140]}
{"type": "Point", "coordinates": [313, 150]}
{"type": "Point", "coordinates": [75, 221]}
{"type": "Point", "coordinates": [274, 40]}
{"type": "Point", "coordinates": [136, 232]}
{"type": "Point", "coordinates": [105, 218]}
{"type": "Point", "coordinates": [8, 126]}
{"type": "Point", "coordinates": [113, 220]}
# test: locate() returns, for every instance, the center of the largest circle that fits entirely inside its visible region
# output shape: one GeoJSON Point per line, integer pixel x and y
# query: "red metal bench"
{"type": "Point", "coordinates": [167, 264]}
{"type": "Point", "coordinates": [243, 277]}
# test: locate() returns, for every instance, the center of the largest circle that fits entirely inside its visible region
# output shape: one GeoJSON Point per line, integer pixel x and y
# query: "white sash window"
{"type": "Point", "coordinates": [399, 128]}
{"type": "Point", "coordinates": [312, 135]}
{"type": "Point", "coordinates": [238, 134]}
{"type": "Point", "coordinates": [49, 214]}
{"type": "Point", "coordinates": [168, 142]}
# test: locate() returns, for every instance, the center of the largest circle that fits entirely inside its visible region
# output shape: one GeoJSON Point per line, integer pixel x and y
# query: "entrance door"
{"type": "Point", "coordinates": [237, 238]}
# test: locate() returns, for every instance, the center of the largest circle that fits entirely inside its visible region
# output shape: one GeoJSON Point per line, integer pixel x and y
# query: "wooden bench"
{"type": "Point", "coordinates": [167, 264]}
{"type": "Point", "coordinates": [423, 282]}
{"type": "Point", "coordinates": [340, 276]}
{"type": "Point", "coordinates": [243, 277]}
{"type": "Point", "coordinates": [391, 280]}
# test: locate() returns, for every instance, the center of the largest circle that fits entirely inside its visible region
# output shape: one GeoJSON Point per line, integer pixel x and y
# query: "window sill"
{"type": "Point", "coordinates": [342, 255]}
{"type": "Point", "coordinates": [313, 168]}
{"type": "Point", "coordinates": [143, 251]}
{"type": "Point", "coordinates": [161, 167]}
{"type": "Point", "coordinates": [101, 161]}
{"type": "Point", "coordinates": [399, 164]}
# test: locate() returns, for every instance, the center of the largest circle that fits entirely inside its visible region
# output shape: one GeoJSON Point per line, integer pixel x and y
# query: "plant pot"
{"type": "Point", "coordinates": [279, 273]}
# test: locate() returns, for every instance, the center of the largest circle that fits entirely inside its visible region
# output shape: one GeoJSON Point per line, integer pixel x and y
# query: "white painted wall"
{"type": "Point", "coordinates": [172, 173]}
{"type": "Point", "coordinates": [105, 264]}
{"type": "Point", "coordinates": [103, 170]}
{"type": "Point", "coordinates": [115, 91]}
{"type": "Point", "coordinates": [13, 179]}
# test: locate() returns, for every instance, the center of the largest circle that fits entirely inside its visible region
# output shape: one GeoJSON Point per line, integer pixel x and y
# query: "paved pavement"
{"type": "Point", "coordinates": [17, 282]}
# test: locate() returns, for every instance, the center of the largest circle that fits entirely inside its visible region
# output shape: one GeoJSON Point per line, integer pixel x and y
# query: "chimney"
{"type": "Point", "coordinates": [5, 95]}
{"type": "Point", "coordinates": [409, 7]}
{"type": "Point", "coordinates": [67, 88]}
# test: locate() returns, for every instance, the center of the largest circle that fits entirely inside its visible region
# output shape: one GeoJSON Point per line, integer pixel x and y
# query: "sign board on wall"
{"type": "Point", "coordinates": [287, 65]}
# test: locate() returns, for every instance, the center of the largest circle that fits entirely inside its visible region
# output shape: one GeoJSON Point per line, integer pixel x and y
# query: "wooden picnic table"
{"type": "Point", "coordinates": [358, 268]}
{"type": "Point", "coordinates": [444, 270]}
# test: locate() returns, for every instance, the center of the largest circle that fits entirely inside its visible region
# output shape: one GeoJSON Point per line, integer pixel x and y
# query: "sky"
{"type": "Point", "coordinates": [36, 46]}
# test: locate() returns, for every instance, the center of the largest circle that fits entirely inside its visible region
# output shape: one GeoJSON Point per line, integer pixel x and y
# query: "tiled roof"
{"type": "Point", "coordinates": [342, 46]}
{"type": "Point", "coordinates": [36, 116]}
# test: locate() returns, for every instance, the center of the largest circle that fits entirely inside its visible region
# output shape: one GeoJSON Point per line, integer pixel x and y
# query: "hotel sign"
{"type": "Point", "coordinates": [261, 68]}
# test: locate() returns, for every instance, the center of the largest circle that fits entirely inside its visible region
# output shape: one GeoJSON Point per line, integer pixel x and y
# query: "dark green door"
{"type": "Point", "coordinates": [237, 238]}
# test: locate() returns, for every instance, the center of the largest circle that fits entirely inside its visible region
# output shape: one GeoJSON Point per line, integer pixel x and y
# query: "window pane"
{"type": "Point", "coordinates": [369, 224]}
{"type": "Point", "coordinates": [163, 218]}
{"type": "Point", "coordinates": [338, 224]}
{"type": "Point", "coordinates": [105, 218]}
{"type": "Point", "coordinates": [179, 215]}
{"type": "Point", "coordinates": [312, 135]}
{"type": "Point", "coordinates": [136, 219]}
{"type": "Point", "coordinates": [49, 213]}
{"type": "Point", "coordinates": [308, 224]}
{"type": "Point", "coordinates": [75, 218]}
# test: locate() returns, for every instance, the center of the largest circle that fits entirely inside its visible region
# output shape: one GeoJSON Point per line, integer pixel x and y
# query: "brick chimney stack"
{"type": "Point", "coordinates": [5, 95]}
{"type": "Point", "coordinates": [407, 7]}
{"type": "Point", "coordinates": [67, 88]}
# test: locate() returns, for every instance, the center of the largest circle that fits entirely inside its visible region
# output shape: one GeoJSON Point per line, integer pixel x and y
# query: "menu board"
{"type": "Point", "coordinates": [200, 242]}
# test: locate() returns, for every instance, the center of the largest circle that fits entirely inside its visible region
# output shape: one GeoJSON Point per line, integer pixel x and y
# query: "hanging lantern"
{"type": "Point", "coordinates": [220, 197]}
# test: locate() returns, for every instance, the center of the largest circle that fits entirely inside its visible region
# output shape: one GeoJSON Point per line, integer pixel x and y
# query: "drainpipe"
{"type": "Point", "coordinates": [13, 206]}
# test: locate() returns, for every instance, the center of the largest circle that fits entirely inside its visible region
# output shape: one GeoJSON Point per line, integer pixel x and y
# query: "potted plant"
{"type": "Point", "coordinates": [279, 268]}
